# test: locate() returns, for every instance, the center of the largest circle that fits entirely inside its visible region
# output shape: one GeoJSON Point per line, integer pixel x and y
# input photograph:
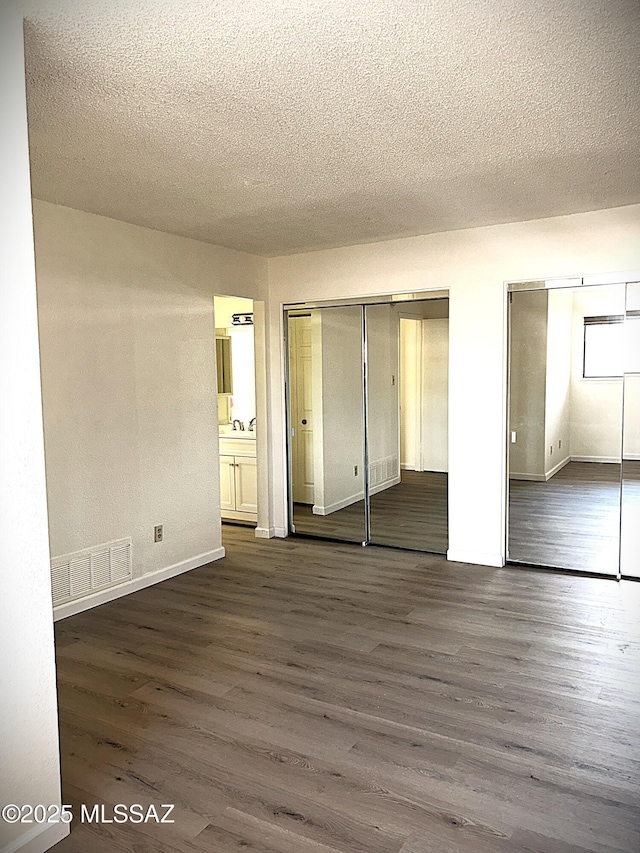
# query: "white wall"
{"type": "Point", "coordinates": [557, 409]}
{"type": "Point", "coordinates": [632, 381]}
{"type": "Point", "coordinates": [410, 378]}
{"type": "Point", "coordinates": [29, 761]}
{"type": "Point", "coordinates": [596, 404]}
{"type": "Point", "coordinates": [435, 395]}
{"type": "Point", "coordinates": [424, 381]}
{"type": "Point", "coordinates": [473, 265]}
{"type": "Point", "coordinates": [127, 348]}
{"type": "Point", "coordinates": [528, 377]}
{"type": "Point", "coordinates": [632, 417]}
{"type": "Point", "coordinates": [540, 389]}
{"type": "Point", "coordinates": [383, 330]}
{"type": "Point", "coordinates": [336, 364]}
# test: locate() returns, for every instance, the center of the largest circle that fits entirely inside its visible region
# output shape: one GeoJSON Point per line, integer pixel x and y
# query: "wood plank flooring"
{"type": "Point", "coordinates": [572, 521]}
{"type": "Point", "coordinates": [311, 697]}
{"type": "Point", "coordinates": [412, 514]}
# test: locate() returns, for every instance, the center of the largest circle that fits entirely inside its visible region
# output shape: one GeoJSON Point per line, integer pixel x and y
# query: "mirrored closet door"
{"type": "Point", "coordinates": [407, 423]}
{"type": "Point", "coordinates": [569, 491]}
{"type": "Point", "coordinates": [326, 422]}
{"type": "Point", "coordinates": [630, 522]}
{"type": "Point", "coordinates": [367, 418]}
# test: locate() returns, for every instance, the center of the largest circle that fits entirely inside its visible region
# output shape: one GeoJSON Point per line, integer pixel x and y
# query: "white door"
{"type": "Point", "coordinates": [301, 408]}
{"type": "Point", "coordinates": [433, 443]}
{"type": "Point", "coordinates": [410, 362]}
{"type": "Point", "coordinates": [246, 484]}
{"type": "Point", "coordinates": [227, 483]}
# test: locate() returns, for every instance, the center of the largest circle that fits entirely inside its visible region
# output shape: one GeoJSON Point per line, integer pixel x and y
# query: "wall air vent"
{"type": "Point", "coordinates": [83, 572]}
{"type": "Point", "coordinates": [382, 471]}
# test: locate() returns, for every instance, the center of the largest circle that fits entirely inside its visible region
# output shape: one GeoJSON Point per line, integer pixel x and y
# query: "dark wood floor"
{"type": "Point", "coordinates": [412, 514]}
{"type": "Point", "coordinates": [573, 520]}
{"type": "Point", "coordinates": [308, 697]}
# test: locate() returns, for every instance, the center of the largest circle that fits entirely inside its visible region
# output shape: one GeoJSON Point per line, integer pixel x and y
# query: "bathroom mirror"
{"type": "Point", "coordinates": [223, 364]}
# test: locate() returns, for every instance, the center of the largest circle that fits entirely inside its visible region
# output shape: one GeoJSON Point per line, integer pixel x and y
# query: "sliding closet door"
{"type": "Point", "coordinates": [407, 379]}
{"type": "Point", "coordinates": [630, 526]}
{"type": "Point", "coordinates": [326, 422]}
{"type": "Point", "coordinates": [565, 427]}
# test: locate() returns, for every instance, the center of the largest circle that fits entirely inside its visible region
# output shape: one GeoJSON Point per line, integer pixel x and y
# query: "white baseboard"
{"type": "Point", "coordinates": [476, 558]}
{"type": "Point", "coordinates": [334, 507]}
{"type": "Point", "coordinates": [628, 457]}
{"type": "Point", "coordinates": [265, 532]}
{"type": "Point", "coordinates": [540, 478]}
{"type": "Point", "coordinates": [610, 459]}
{"type": "Point", "coordinates": [62, 611]}
{"type": "Point", "coordinates": [280, 532]}
{"type": "Point", "coordinates": [557, 468]}
{"type": "Point", "coordinates": [394, 481]}
{"type": "Point", "coordinates": [38, 839]}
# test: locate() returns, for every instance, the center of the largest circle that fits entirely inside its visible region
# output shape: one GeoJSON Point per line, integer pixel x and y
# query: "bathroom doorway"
{"type": "Point", "coordinates": [236, 409]}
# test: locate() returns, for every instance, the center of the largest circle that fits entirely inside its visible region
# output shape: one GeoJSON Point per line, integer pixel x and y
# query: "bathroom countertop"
{"type": "Point", "coordinates": [227, 431]}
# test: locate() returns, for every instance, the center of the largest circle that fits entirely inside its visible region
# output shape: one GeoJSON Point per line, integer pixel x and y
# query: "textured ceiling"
{"type": "Point", "coordinates": [275, 126]}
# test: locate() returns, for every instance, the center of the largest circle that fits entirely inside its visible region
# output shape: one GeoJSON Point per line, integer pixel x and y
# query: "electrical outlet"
{"type": "Point", "coordinates": [158, 533]}
{"type": "Point", "coordinates": [355, 470]}
{"type": "Point", "coordinates": [513, 436]}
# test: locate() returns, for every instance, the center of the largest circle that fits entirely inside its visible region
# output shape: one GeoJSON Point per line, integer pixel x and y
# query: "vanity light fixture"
{"type": "Point", "coordinates": [242, 319]}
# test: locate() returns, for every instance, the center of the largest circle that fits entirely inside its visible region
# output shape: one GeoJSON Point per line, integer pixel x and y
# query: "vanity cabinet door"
{"type": "Point", "coordinates": [246, 484]}
{"type": "Point", "coordinates": [227, 483]}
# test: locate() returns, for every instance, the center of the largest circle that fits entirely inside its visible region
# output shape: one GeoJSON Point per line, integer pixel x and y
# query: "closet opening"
{"type": "Point", "coordinates": [367, 389]}
{"type": "Point", "coordinates": [573, 432]}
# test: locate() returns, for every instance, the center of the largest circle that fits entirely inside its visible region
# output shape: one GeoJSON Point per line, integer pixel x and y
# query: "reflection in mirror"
{"type": "Point", "coordinates": [407, 380]}
{"type": "Point", "coordinates": [630, 526]}
{"type": "Point", "coordinates": [327, 422]}
{"type": "Point", "coordinates": [565, 427]}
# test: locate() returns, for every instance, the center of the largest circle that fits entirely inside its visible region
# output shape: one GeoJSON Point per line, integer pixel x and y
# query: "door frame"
{"type": "Point", "coordinates": [293, 342]}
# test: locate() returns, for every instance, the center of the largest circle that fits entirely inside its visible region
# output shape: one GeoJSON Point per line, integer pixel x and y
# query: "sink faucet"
{"type": "Point", "coordinates": [240, 424]}
{"type": "Point", "coordinates": [252, 424]}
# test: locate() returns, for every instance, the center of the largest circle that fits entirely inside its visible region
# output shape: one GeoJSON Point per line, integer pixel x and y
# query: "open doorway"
{"type": "Point", "coordinates": [237, 422]}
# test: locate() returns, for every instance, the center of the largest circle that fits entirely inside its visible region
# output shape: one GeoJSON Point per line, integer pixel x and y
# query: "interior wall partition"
{"type": "Point", "coordinates": [366, 389]}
